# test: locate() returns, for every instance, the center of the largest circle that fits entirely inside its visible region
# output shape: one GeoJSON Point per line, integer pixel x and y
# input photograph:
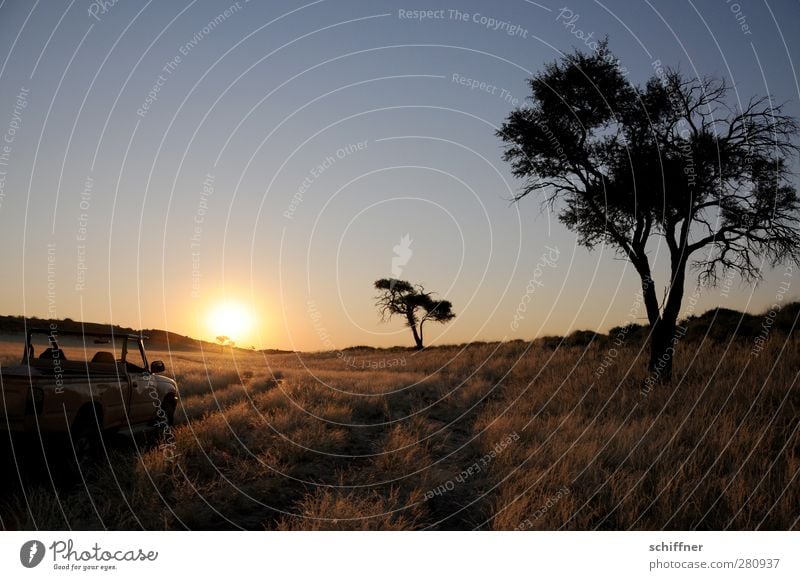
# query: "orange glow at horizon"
{"type": "Point", "coordinates": [231, 319]}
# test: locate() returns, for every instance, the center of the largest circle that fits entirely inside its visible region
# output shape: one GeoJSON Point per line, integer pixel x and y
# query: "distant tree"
{"type": "Point", "coordinates": [413, 303]}
{"type": "Point", "coordinates": [222, 340]}
{"type": "Point", "coordinates": [673, 159]}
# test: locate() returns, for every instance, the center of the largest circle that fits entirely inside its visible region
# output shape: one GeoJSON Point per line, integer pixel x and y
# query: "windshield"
{"type": "Point", "coordinates": [94, 353]}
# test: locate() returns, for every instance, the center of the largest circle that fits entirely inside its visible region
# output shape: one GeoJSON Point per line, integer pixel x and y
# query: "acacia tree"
{"type": "Point", "coordinates": [413, 303]}
{"type": "Point", "coordinates": [671, 161]}
{"type": "Point", "coordinates": [223, 340]}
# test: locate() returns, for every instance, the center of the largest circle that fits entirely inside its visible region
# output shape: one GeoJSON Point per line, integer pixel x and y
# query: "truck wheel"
{"type": "Point", "coordinates": [170, 405]}
{"type": "Point", "coordinates": [86, 446]}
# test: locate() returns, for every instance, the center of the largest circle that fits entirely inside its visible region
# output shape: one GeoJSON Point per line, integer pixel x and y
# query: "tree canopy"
{"type": "Point", "coordinates": [413, 303]}
{"type": "Point", "coordinates": [674, 159]}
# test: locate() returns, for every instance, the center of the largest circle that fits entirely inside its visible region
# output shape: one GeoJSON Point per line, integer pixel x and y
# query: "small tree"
{"type": "Point", "coordinates": [413, 303]}
{"type": "Point", "coordinates": [222, 340]}
{"type": "Point", "coordinates": [673, 159]}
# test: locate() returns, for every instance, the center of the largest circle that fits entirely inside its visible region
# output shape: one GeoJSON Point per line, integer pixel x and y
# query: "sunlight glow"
{"type": "Point", "coordinates": [230, 319]}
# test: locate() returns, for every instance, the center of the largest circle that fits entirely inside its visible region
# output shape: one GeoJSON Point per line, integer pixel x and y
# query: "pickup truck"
{"type": "Point", "coordinates": [79, 398]}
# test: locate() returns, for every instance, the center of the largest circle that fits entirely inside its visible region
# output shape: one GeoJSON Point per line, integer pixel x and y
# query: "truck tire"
{"type": "Point", "coordinates": [170, 405]}
{"type": "Point", "coordinates": [85, 444]}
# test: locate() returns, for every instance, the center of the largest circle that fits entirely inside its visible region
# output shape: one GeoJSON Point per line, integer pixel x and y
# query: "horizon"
{"type": "Point", "coordinates": [249, 348]}
{"type": "Point", "coordinates": [196, 171]}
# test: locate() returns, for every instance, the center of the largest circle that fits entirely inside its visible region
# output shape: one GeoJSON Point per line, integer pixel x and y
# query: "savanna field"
{"type": "Point", "coordinates": [492, 436]}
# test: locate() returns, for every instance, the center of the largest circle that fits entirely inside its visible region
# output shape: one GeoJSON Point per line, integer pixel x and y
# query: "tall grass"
{"type": "Point", "coordinates": [487, 436]}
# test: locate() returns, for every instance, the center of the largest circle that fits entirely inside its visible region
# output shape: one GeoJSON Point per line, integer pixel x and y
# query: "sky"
{"type": "Point", "coordinates": [182, 164]}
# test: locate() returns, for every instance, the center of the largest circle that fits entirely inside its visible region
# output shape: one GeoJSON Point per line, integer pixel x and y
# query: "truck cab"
{"type": "Point", "coordinates": [70, 382]}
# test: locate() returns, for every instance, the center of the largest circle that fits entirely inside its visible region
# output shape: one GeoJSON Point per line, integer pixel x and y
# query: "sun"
{"type": "Point", "coordinates": [230, 319]}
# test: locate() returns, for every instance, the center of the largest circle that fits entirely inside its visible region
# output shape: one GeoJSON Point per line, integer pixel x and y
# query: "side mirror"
{"type": "Point", "coordinates": [157, 366]}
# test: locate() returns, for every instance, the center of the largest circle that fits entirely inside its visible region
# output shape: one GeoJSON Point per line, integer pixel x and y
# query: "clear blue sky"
{"type": "Point", "coordinates": [193, 198]}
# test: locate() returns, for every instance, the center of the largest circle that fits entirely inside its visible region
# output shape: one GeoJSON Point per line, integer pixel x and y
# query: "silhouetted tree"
{"type": "Point", "coordinates": [413, 303]}
{"type": "Point", "coordinates": [222, 340]}
{"type": "Point", "coordinates": [673, 159]}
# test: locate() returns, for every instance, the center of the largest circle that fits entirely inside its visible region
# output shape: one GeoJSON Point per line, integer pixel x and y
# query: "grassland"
{"type": "Point", "coordinates": [483, 436]}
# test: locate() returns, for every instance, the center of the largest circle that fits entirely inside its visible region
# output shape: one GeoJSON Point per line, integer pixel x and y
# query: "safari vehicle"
{"type": "Point", "coordinates": [59, 391]}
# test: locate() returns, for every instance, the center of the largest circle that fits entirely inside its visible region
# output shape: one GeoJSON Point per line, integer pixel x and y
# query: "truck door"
{"type": "Point", "coordinates": [144, 398]}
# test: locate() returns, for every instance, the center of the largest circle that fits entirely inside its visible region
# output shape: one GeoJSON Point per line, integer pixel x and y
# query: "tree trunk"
{"type": "Point", "coordinates": [417, 338]}
{"type": "Point", "coordinates": [649, 296]}
{"type": "Point", "coordinates": [412, 323]}
{"type": "Point", "coordinates": [663, 337]}
{"type": "Point", "coordinates": [662, 350]}
{"type": "Point", "coordinates": [653, 312]}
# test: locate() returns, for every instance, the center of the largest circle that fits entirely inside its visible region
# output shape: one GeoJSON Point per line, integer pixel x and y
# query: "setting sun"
{"type": "Point", "coordinates": [230, 319]}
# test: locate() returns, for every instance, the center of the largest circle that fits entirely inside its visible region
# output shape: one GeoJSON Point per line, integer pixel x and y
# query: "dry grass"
{"type": "Point", "coordinates": [490, 436]}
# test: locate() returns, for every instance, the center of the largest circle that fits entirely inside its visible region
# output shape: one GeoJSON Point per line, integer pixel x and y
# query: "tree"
{"type": "Point", "coordinates": [223, 340]}
{"type": "Point", "coordinates": [627, 165]}
{"type": "Point", "coordinates": [413, 303]}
